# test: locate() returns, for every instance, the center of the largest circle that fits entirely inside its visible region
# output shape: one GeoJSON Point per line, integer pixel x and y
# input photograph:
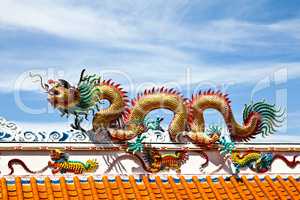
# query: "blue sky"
{"type": "Point", "coordinates": [249, 49]}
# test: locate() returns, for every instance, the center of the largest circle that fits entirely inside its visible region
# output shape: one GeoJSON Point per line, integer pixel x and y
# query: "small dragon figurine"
{"type": "Point", "coordinates": [158, 161]}
{"type": "Point", "coordinates": [259, 162]}
{"type": "Point", "coordinates": [62, 164]}
{"type": "Point", "coordinates": [154, 124]}
{"type": "Point", "coordinates": [256, 161]}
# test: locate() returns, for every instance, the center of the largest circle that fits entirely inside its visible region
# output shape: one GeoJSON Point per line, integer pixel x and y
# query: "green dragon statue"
{"type": "Point", "coordinates": [154, 124]}
{"type": "Point", "coordinates": [137, 145]}
{"type": "Point", "coordinates": [226, 146]}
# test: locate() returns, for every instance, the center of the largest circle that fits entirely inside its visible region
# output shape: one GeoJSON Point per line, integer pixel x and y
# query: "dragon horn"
{"type": "Point", "coordinates": [43, 85]}
{"type": "Point", "coordinates": [64, 83]}
{"type": "Point", "coordinates": [81, 75]}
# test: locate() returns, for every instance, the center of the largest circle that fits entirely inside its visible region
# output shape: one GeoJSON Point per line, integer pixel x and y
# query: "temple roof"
{"type": "Point", "coordinates": [95, 187]}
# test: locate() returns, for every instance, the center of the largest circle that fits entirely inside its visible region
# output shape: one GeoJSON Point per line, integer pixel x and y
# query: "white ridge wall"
{"type": "Point", "coordinates": [36, 158]}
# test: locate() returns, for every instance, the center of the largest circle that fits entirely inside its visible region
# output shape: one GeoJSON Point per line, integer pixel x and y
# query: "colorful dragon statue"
{"type": "Point", "coordinates": [125, 122]}
{"type": "Point", "coordinates": [259, 162]}
{"type": "Point", "coordinates": [62, 164]}
{"type": "Point", "coordinates": [159, 162]}
{"type": "Point", "coordinates": [153, 161]}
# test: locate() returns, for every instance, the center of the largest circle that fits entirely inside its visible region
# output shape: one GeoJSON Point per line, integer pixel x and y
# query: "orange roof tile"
{"type": "Point", "coordinates": [130, 188]}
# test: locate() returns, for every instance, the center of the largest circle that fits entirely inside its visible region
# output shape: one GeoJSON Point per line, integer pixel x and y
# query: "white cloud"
{"type": "Point", "coordinates": [291, 27]}
{"type": "Point", "coordinates": [153, 34]}
{"type": "Point", "coordinates": [165, 73]}
{"type": "Point", "coordinates": [108, 25]}
{"type": "Point", "coordinates": [155, 26]}
{"type": "Point", "coordinates": [60, 19]}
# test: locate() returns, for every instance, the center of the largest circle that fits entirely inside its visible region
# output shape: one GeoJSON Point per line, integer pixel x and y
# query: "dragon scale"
{"type": "Point", "coordinates": [221, 103]}
{"type": "Point", "coordinates": [118, 103]}
{"type": "Point", "coordinates": [145, 103]}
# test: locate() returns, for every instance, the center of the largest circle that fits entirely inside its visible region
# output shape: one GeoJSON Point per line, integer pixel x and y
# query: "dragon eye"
{"type": "Point", "coordinates": [56, 92]}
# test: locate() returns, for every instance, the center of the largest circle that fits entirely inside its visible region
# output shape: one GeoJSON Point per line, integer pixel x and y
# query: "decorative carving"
{"type": "Point", "coordinates": [259, 162]}
{"type": "Point", "coordinates": [54, 136]}
{"type": "Point", "coordinates": [158, 162]}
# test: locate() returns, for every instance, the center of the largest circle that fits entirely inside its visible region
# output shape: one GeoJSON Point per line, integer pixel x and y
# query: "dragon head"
{"type": "Point", "coordinates": [92, 165]}
{"type": "Point", "coordinates": [62, 95]}
{"type": "Point", "coordinates": [265, 161]}
{"type": "Point", "coordinates": [58, 155]}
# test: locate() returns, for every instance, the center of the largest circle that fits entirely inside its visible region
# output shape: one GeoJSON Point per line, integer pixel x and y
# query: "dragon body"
{"type": "Point", "coordinates": [153, 161]}
{"type": "Point", "coordinates": [62, 164]}
{"type": "Point", "coordinates": [76, 167]}
{"type": "Point", "coordinates": [158, 161]}
{"type": "Point", "coordinates": [17, 161]}
{"type": "Point", "coordinates": [125, 121]}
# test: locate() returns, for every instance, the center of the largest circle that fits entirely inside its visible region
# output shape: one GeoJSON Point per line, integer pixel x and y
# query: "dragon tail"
{"type": "Point", "coordinates": [126, 156]}
{"type": "Point", "coordinates": [291, 164]}
{"type": "Point", "coordinates": [264, 117]}
{"type": "Point", "coordinates": [20, 162]}
{"type": "Point", "coordinates": [258, 118]}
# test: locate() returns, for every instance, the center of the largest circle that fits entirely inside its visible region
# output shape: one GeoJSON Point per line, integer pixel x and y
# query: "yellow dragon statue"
{"type": "Point", "coordinates": [124, 121]}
